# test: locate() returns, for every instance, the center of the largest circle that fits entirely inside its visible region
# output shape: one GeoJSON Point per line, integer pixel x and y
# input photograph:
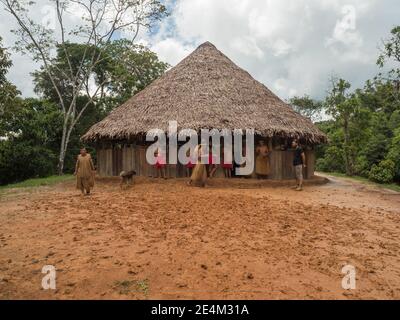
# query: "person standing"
{"type": "Point", "coordinates": [84, 172]}
{"type": "Point", "coordinates": [262, 160]}
{"type": "Point", "coordinates": [190, 165]}
{"type": "Point", "coordinates": [199, 174]}
{"type": "Point", "coordinates": [160, 164]}
{"type": "Point", "coordinates": [299, 162]}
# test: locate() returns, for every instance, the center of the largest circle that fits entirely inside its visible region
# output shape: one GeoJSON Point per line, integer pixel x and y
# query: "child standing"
{"type": "Point", "coordinates": [190, 165]}
{"type": "Point", "coordinates": [160, 164]}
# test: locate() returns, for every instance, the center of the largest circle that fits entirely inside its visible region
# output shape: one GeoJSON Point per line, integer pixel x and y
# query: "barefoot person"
{"type": "Point", "coordinates": [190, 165]}
{"type": "Point", "coordinates": [299, 162]}
{"type": "Point", "coordinates": [262, 161]}
{"type": "Point", "coordinates": [199, 174]}
{"type": "Point", "coordinates": [84, 171]}
{"type": "Point", "coordinates": [160, 164]}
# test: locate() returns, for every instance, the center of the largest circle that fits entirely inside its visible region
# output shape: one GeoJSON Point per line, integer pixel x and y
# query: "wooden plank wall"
{"type": "Point", "coordinates": [100, 165]}
{"type": "Point", "coordinates": [110, 162]}
{"type": "Point", "coordinates": [310, 160]}
{"type": "Point", "coordinates": [116, 161]}
{"type": "Point", "coordinates": [128, 158]}
{"type": "Point", "coordinates": [108, 157]}
{"type": "Point", "coordinates": [275, 162]}
{"type": "Point", "coordinates": [281, 163]}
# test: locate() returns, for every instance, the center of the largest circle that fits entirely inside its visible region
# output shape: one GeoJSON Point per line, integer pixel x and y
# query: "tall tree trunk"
{"type": "Point", "coordinates": [61, 156]}
{"type": "Point", "coordinates": [61, 163]}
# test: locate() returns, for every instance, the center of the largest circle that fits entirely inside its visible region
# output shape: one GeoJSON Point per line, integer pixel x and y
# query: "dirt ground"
{"type": "Point", "coordinates": [165, 240]}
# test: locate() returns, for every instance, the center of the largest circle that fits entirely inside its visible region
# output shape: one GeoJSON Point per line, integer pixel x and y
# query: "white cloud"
{"type": "Point", "coordinates": [291, 46]}
{"type": "Point", "coordinates": [171, 50]}
{"type": "Point", "coordinates": [345, 30]}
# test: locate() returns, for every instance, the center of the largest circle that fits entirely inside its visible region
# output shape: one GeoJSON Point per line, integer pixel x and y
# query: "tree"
{"type": "Point", "coordinates": [102, 21]}
{"type": "Point", "coordinates": [394, 153]}
{"type": "Point", "coordinates": [126, 69]}
{"type": "Point", "coordinates": [130, 69]}
{"type": "Point", "coordinates": [364, 132]}
{"type": "Point", "coordinates": [8, 91]}
{"type": "Point", "coordinates": [307, 106]}
{"type": "Point", "coordinates": [390, 53]}
{"type": "Point", "coordinates": [340, 107]}
{"type": "Point", "coordinates": [28, 149]}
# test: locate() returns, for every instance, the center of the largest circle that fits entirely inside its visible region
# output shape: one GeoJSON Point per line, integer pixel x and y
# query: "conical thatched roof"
{"type": "Point", "coordinates": [205, 90]}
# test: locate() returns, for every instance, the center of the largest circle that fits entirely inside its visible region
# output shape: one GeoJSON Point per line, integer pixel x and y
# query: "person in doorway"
{"type": "Point", "coordinates": [262, 160]}
{"type": "Point", "coordinates": [84, 172]}
{"type": "Point", "coordinates": [299, 162]}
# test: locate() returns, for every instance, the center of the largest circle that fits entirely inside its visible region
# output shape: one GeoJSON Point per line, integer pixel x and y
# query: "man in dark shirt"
{"type": "Point", "coordinates": [299, 162]}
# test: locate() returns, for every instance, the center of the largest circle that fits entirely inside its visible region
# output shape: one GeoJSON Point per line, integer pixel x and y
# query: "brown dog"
{"type": "Point", "coordinates": [127, 178]}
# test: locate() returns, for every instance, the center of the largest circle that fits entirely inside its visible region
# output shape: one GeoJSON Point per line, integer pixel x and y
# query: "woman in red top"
{"type": "Point", "coordinates": [160, 164]}
{"type": "Point", "coordinates": [190, 165]}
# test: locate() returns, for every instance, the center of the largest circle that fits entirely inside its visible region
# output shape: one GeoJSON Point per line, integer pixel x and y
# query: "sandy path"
{"type": "Point", "coordinates": [162, 239]}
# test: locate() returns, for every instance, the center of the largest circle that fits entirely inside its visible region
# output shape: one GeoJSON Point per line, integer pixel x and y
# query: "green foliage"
{"type": "Point", "coordinates": [391, 52]}
{"type": "Point", "coordinates": [351, 119]}
{"type": "Point", "coordinates": [8, 91]}
{"type": "Point", "coordinates": [28, 149]}
{"type": "Point", "coordinates": [383, 172]}
{"type": "Point", "coordinates": [332, 160]}
{"type": "Point", "coordinates": [306, 106]}
{"type": "Point", "coordinates": [363, 134]}
{"type": "Point", "coordinates": [37, 182]}
{"type": "Point", "coordinates": [19, 161]}
{"type": "Point", "coordinates": [124, 70]}
{"type": "Point", "coordinates": [394, 153]}
{"type": "Point", "coordinates": [129, 68]}
{"type": "Point", "coordinates": [362, 166]}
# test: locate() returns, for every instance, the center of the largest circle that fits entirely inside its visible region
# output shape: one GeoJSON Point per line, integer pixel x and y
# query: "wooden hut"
{"type": "Point", "coordinates": [205, 90]}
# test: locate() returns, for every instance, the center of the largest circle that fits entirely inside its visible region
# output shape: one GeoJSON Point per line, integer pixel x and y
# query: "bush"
{"type": "Point", "coordinates": [384, 172]}
{"type": "Point", "coordinates": [332, 160]}
{"type": "Point", "coordinates": [394, 154]}
{"type": "Point", "coordinates": [20, 160]}
{"type": "Point", "coordinates": [362, 166]}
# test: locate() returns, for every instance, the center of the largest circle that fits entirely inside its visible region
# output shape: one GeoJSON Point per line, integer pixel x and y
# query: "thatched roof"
{"type": "Point", "coordinates": [205, 90]}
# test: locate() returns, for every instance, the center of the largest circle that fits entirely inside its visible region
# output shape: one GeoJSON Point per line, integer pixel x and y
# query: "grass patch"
{"type": "Point", "coordinates": [391, 186]}
{"type": "Point", "coordinates": [131, 286]}
{"type": "Point", "coordinates": [37, 182]}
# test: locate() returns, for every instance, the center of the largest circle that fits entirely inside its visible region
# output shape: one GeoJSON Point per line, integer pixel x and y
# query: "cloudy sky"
{"type": "Point", "coordinates": [292, 46]}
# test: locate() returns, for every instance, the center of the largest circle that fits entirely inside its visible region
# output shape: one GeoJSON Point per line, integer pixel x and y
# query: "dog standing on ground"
{"type": "Point", "coordinates": [126, 178]}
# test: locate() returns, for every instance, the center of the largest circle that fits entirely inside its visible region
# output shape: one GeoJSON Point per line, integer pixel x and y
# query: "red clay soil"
{"type": "Point", "coordinates": [164, 240]}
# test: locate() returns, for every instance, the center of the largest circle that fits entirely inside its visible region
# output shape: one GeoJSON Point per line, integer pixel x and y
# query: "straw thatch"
{"type": "Point", "coordinates": [205, 90]}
